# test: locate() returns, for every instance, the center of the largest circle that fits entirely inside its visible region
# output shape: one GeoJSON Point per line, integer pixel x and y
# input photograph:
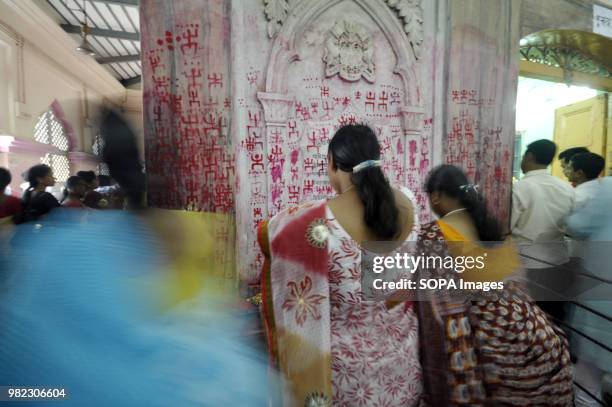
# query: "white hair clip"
{"type": "Point", "coordinates": [469, 188]}
{"type": "Point", "coordinates": [366, 164]}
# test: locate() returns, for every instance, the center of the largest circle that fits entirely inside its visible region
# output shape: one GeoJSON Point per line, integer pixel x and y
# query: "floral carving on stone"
{"type": "Point", "coordinates": [349, 52]}
{"type": "Point", "coordinates": [276, 13]}
{"type": "Point", "coordinates": [411, 14]}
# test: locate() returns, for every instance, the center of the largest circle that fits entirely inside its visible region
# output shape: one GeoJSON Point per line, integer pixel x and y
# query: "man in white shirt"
{"type": "Point", "coordinates": [565, 157]}
{"type": "Point", "coordinates": [584, 171]}
{"type": "Point", "coordinates": [540, 205]}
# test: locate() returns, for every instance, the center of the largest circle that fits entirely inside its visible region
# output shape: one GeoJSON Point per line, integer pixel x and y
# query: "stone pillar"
{"type": "Point", "coordinates": [276, 112]}
{"type": "Point", "coordinates": [189, 158]}
{"type": "Point", "coordinates": [481, 94]}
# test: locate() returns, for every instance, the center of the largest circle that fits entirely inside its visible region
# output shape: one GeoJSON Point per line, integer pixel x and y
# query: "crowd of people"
{"type": "Point", "coordinates": [504, 349]}
{"type": "Point", "coordinates": [561, 229]}
{"type": "Point", "coordinates": [541, 206]}
{"type": "Point", "coordinates": [83, 190]}
{"type": "Point", "coordinates": [85, 301]}
{"type": "Point", "coordinates": [328, 342]}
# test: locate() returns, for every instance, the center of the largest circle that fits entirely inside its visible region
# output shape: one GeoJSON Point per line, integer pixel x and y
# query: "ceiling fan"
{"type": "Point", "coordinates": [84, 47]}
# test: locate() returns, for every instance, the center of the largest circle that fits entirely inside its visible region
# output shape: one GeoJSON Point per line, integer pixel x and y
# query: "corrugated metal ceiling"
{"type": "Point", "coordinates": [114, 36]}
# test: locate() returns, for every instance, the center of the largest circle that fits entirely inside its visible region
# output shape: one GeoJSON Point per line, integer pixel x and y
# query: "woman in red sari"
{"type": "Point", "coordinates": [331, 343]}
{"type": "Point", "coordinates": [485, 348]}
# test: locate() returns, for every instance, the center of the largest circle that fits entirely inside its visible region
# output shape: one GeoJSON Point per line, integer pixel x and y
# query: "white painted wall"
{"type": "Point", "coordinates": [37, 66]}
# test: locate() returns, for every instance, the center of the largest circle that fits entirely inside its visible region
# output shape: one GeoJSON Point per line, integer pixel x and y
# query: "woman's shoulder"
{"type": "Point", "coordinates": [45, 198]}
{"type": "Point", "coordinates": [49, 197]}
{"type": "Point", "coordinates": [293, 213]}
{"type": "Point", "coordinates": [296, 210]}
{"type": "Point", "coordinates": [405, 191]}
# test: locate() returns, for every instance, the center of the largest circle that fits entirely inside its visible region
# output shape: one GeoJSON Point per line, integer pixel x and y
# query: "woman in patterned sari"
{"type": "Point", "coordinates": [330, 342]}
{"type": "Point", "coordinates": [484, 348]}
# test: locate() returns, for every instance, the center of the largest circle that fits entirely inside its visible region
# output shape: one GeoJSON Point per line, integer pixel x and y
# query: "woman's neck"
{"type": "Point", "coordinates": [462, 222]}
{"type": "Point", "coordinates": [40, 188]}
{"type": "Point", "coordinates": [348, 195]}
{"type": "Point", "coordinates": [454, 211]}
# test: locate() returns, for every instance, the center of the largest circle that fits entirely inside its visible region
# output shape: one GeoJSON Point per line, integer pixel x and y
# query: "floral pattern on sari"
{"type": "Point", "coordinates": [303, 301]}
{"type": "Point", "coordinates": [295, 304]}
{"type": "Point", "coordinates": [375, 359]}
{"type": "Point", "coordinates": [358, 352]}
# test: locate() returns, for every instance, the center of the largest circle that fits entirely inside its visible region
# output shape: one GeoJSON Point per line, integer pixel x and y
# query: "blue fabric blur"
{"type": "Point", "coordinates": [79, 309]}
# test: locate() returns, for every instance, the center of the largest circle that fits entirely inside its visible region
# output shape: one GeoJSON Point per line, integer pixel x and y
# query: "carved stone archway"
{"type": "Point", "coordinates": [277, 102]}
{"type": "Point", "coordinates": [275, 99]}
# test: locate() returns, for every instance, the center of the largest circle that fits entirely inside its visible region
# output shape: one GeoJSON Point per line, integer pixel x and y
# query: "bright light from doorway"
{"type": "Point", "coordinates": [536, 102]}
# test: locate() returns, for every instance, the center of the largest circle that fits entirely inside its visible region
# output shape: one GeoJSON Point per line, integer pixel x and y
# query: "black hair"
{"type": "Point", "coordinates": [566, 155]}
{"type": "Point", "coordinates": [590, 163]}
{"type": "Point", "coordinates": [352, 145]}
{"type": "Point", "coordinates": [543, 151]}
{"type": "Point", "coordinates": [5, 179]}
{"type": "Point", "coordinates": [104, 181]}
{"type": "Point", "coordinates": [71, 182]}
{"type": "Point", "coordinates": [87, 176]}
{"type": "Point", "coordinates": [35, 172]}
{"type": "Point", "coordinates": [120, 153]}
{"type": "Point", "coordinates": [453, 182]}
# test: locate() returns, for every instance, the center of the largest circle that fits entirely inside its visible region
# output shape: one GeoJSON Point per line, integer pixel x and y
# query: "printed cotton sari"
{"type": "Point", "coordinates": [332, 345]}
{"type": "Point", "coordinates": [493, 348]}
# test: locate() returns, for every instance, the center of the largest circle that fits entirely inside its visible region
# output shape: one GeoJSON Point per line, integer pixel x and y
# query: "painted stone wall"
{"type": "Point", "coordinates": [242, 97]}
{"type": "Point", "coordinates": [189, 159]}
{"type": "Point", "coordinates": [300, 75]}
{"type": "Point", "coordinates": [187, 108]}
{"type": "Point", "coordinates": [481, 95]}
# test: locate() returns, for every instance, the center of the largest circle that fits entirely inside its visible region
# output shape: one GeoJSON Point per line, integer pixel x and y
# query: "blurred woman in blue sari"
{"type": "Point", "coordinates": [81, 308]}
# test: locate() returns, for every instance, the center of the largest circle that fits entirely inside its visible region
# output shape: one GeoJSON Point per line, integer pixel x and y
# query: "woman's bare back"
{"type": "Point", "coordinates": [348, 210]}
